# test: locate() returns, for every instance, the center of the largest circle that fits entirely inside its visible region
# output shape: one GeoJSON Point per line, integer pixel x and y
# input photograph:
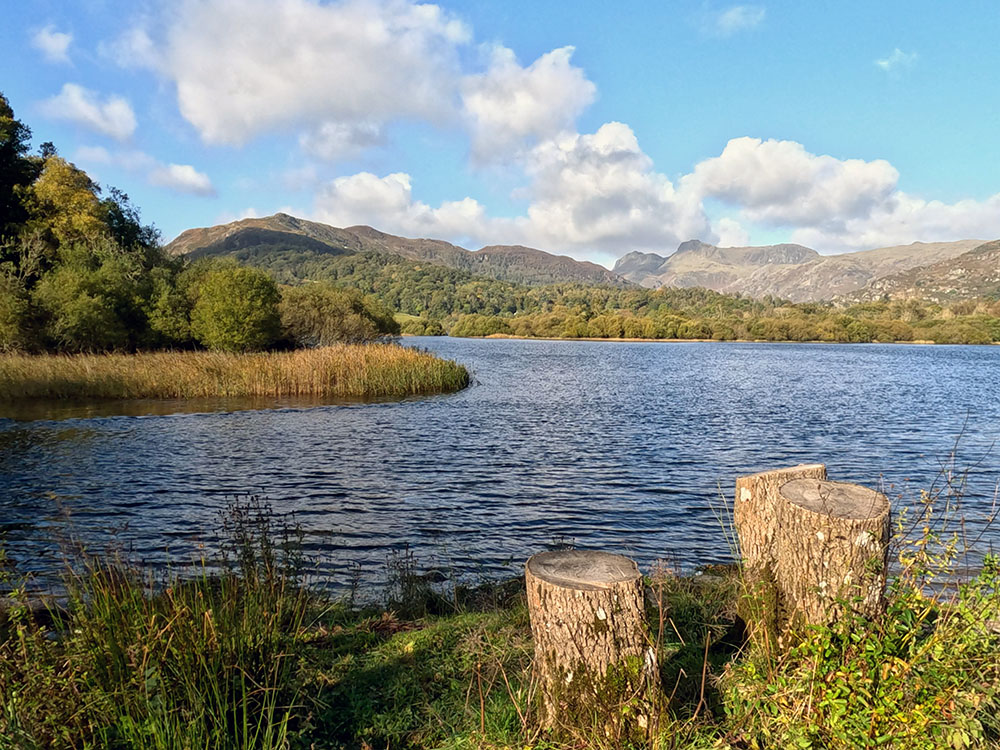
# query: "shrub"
{"type": "Point", "coordinates": [320, 314]}
{"type": "Point", "coordinates": [236, 310]}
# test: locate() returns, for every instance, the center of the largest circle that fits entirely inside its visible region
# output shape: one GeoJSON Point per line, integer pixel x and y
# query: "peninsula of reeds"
{"type": "Point", "coordinates": [342, 371]}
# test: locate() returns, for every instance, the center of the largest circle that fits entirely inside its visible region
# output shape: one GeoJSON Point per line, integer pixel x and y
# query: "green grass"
{"type": "Point", "coordinates": [345, 371]}
{"type": "Point", "coordinates": [244, 655]}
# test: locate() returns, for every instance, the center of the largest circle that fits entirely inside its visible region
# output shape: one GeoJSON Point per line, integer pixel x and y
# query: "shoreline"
{"type": "Point", "coordinates": [917, 342]}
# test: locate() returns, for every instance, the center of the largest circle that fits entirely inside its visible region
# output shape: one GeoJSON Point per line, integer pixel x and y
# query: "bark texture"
{"type": "Point", "coordinates": [831, 550]}
{"type": "Point", "coordinates": [755, 512]}
{"type": "Point", "coordinates": [593, 658]}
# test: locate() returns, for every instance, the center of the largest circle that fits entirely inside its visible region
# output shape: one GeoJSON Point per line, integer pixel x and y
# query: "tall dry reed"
{"type": "Point", "coordinates": [348, 371]}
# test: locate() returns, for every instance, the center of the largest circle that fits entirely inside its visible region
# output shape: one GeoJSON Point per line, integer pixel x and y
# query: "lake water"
{"type": "Point", "coordinates": [628, 447]}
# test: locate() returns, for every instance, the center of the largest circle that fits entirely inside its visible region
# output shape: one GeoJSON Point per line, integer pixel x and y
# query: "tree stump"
{"type": "Point", "coordinates": [593, 657]}
{"type": "Point", "coordinates": [755, 512]}
{"type": "Point", "coordinates": [831, 551]}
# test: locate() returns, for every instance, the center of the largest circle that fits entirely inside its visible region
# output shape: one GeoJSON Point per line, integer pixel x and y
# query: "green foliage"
{"type": "Point", "coordinates": [236, 310]}
{"type": "Point", "coordinates": [205, 662]}
{"type": "Point", "coordinates": [320, 315]}
{"type": "Point", "coordinates": [413, 325]}
{"type": "Point", "coordinates": [566, 310]}
{"type": "Point", "coordinates": [17, 169]}
{"type": "Point", "coordinates": [14, 334]}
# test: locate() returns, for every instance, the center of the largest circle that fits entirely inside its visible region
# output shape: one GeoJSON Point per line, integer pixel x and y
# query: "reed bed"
{"type": "Point", "coordinates": [343, 371]}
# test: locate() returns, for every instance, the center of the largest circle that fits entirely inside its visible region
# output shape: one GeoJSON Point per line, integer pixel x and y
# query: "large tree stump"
{"type": "Point", "coordinates": [593, 657]}
{"type": "Point", "coordinates": [755, 513]}
{"type": "Point", "coordinates": [831, 551]}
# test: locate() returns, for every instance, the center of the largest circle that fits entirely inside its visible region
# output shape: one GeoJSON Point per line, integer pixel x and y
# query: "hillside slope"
{"type": "Point", "coordinates": [513, 263]}
{"type": "Point", "coordinates": [790, 271]}
{"type": "Point", "coordinates": [972, 274]}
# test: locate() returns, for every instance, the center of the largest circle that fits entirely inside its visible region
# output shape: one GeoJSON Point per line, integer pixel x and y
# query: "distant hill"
{"type": "Point", "coordinates": [522, 265]}
{"type": "Point", "coordinates": [972, 274]}
{"type": "Point", "coordinates": [789, 271]}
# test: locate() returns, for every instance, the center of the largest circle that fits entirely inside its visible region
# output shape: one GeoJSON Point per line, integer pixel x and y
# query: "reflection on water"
{"type": "Point", "coordinates": [624, 446]}
{"type": "Point", "coordinates": [39, 409]}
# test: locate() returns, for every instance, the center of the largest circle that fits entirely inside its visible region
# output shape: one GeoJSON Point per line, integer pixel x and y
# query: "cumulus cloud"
{"type": "Point", "coordinates": [181, 178]}
{"type": "Point", "coordinates": [54, 45]}
{"type": "Point", "coordinates": [509, 104]}
{"type": "Point", "coordinates": [134, 48]}
{"type": "Point", "coordinates": [595, 195]}
{"type": "Point", "coordinates": [905, 219]}
{"type": "Point", "coordinates": [332, 141]}
{"type": "Point", "coordinates": [832, 204]}
{"type": "Point", "coordinates": [290, 62]}
{"type": "Point", "coordinates": [600, 192]}
{"type": "Point", "coordinates": [113, 116]}
{"type": "Point", "coordinates": [782, 184]}
{"type": "Point", "coordinates": [897, 60]}
{"type": "Point", "coordinates": [737, 18]}
{"type": "Point", "coordinates": [731, 233]}
{"type": "Point", "coordinates": [388, 203]}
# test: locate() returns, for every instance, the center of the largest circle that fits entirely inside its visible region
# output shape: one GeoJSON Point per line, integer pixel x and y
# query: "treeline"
{"type": "Point", "coordinates": [965, 323]}
{"type": "Point", "coordinates": [80, 272]}
{"type": "Point", "coordinates": [434, 300]}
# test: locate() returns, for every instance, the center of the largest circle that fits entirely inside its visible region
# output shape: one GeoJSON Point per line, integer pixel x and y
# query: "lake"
{"type": "Point", "coordinates": [629, 447]}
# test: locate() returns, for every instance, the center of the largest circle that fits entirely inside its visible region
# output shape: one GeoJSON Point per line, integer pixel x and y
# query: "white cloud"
{"type": "Point", "coordinates": [332, 141]}
{"type": "Point", "coordinates": [905, 219]}
{"type": "Point", "coordinates": [897, 60]}
{"type": "Point", "coordinates": [509, 104]}
{"type": "Point", "coordinates": [388, 203]}
{"type": "Point", "coordinates": [595, 195]}
{"type": "Point", "coordinates": [731, 233]}
{"type": "Point", "coordinates": [54, 45]}
{"type": "Point", "coordinates": [289, 63]}
{"type": "Point", "coordinates": [182, 178]}
{"type": "Point", "coordinates": [781, 184]}
{"type": "Point", "coordinates": [737, 18]}
{"type": "Point", "coordinates": [134, 48]}
{"type": "Point", "coordinates": [113, 117]}
{"type": "Point", "coordinates": [832, 204]}
{"type": "Point", "coordinates": [599, 192]}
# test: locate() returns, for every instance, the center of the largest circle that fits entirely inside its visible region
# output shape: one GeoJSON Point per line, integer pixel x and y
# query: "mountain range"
{"type": "Point", "coordinates": [788, 271]}
{"type": "Point", "coordinates": [937, 270]}
{"type": "Point", "coordinates": [523, 265]}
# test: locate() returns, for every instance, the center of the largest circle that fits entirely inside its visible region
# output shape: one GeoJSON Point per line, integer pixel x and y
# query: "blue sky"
{"type": "Point", "coordinates": [587, 128]}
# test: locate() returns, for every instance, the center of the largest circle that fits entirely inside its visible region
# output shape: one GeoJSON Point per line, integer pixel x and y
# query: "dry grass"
{"type": "Point", "coordinates": [349, 371]}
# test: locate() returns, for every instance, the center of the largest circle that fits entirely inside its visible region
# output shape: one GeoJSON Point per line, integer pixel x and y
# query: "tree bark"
{"type": "Point", "coordinates": [831, 552]}
{"type": "Point", "coordinates": [593, 658]}
{"type": "Point", "coordinates": [755, 512]}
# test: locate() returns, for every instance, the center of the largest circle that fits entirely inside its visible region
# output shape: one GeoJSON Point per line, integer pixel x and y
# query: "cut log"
{"type": "Point", "coordinates": [831, 551]}
{"type": "Point", "coordinates": [593, 658]}
{"type": "Point", "coordinates": [755, 512]}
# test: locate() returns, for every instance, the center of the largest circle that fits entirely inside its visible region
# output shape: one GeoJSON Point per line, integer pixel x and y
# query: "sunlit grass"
{"type": "Point", "coordinates": [348, 371]}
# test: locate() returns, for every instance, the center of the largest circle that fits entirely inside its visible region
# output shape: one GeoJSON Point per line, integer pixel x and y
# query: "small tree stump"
{"type": "Point", "coordinates": [593, 657]}
{"type": "Point", "coordinates": [831, 551]}
{"type": "Point", "coordinates": [755, 512]}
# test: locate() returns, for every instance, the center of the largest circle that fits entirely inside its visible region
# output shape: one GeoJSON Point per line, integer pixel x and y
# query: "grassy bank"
{"type": "Point", "coordinates": [361, 371]}
{"type": "Point", "coordinates": [247, 657]}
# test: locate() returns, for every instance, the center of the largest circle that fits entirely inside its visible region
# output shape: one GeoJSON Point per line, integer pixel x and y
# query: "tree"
{"type": "Point", "coordinates": [17, 170]}
{"type": "Point", "coordinates": [320, 314]}
{"type": "Point", "coordinates": [236, 310]}
{"type": "Point", "coordinates": [64, 200]}
{"type": "Point", "coordinates": [13, 315]}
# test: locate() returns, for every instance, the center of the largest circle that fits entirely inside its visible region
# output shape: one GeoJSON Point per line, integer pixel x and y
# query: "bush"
{"type": "Point", "coordinates": [236, 310]}
{"type": "Point", "coordinates": [320, 314]}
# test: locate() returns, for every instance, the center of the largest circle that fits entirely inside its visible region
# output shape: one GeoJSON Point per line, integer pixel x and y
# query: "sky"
{"type": "Point", "coordinates": [585, 128]}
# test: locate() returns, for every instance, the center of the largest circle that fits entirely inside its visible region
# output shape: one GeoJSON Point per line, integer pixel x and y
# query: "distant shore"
{"type": "Point", "coordinates": [920, 342]}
